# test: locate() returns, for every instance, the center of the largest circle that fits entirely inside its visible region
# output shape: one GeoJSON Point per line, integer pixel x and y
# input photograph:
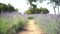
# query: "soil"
{"type": "Point", "coordinates": [31, 28]}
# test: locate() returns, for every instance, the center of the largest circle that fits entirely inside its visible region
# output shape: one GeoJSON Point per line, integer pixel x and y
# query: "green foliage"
{"type": "Point", "coordinates": [56, 4]}
{"type": "Point", "coordinates": [10, 25]}
{"type": "Point", "coordinates": [30, 17]}
{"type": "Point", "coordinates": [47, 25]}
{"type": "Point", "coordinates": [28, 12]}
{"type": "Point", "coordinates": [5, 8]}
{"type": "Point", "coordinates": [34, 9]}
{"type": "Point", "coordinates": [44, 10]}
{"type": "Point", "coordinates": [10, 7]}
{"type": "Point", "coordinates": [37, 11]}
{"type": "Point", "coordinates": [31, 3]}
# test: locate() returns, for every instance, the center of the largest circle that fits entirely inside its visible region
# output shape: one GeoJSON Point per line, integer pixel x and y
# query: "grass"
{"type": "Point", "coordinates": [48, 26]}
{"type": "Point", "coordinates": [10, 25]}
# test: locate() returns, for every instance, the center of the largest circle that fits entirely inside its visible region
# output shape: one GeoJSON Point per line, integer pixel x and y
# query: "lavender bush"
{"type": "Point", "coordinates": [10, 22]}
{"type": "Point", "coordinates": [49, 23]}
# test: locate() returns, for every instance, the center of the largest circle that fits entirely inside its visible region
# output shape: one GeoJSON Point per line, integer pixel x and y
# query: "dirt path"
{"type": "Point", "coordinates": [31, 28]}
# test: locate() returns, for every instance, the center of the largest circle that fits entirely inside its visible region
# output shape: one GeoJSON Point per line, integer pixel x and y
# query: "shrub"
{"type": "Point", "coordinates": [48, 24]}
{"type": "Point", "coordinates": [9, 25]}
{"type": "Point", "coordinates": [30, 17]}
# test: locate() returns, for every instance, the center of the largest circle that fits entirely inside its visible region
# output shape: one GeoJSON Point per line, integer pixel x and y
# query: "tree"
{"type": "Point", "coordinates": [31, 3]}
{"type": "Point", "coordinates": [57, 3]}
{"type": "Point", "coordinates": [5, 8]}
{"type": "Point", "coordinates": [34, 9]}
{"type": "Point", "coordinates": [37, 11]}
{"type": "Point", "coordinates": [53, 5]}
{"type": "Point", "coordinates": [1, 7]}
{"type": "Point", "coordinates": [11, 8]}
{"type": "Point", "coordinates": [44, 10]}
{"type": "Point", "coordinates": [16, 9]}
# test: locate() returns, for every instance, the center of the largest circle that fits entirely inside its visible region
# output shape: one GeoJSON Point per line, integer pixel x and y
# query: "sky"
{"type": "Point", "coordinates": [23, 6]}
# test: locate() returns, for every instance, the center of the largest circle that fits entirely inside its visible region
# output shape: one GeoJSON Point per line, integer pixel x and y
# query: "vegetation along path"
{"type": "Point", "coordinates": [31, 28]}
